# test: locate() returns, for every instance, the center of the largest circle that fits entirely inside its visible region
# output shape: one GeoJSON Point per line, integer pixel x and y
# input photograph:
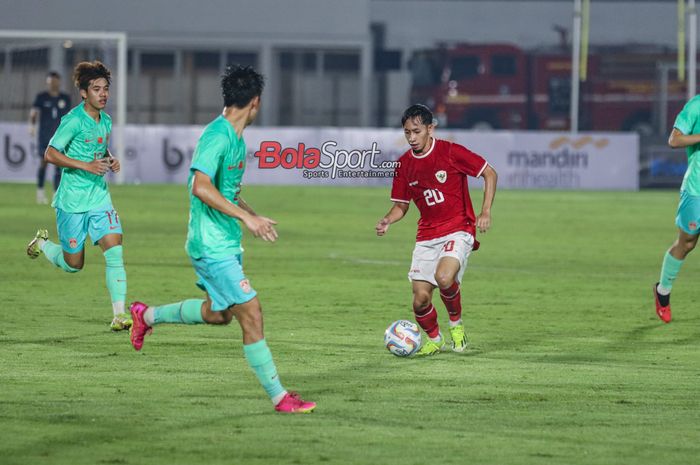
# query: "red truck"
{"type": "Point", "coordinates": [501, 86]}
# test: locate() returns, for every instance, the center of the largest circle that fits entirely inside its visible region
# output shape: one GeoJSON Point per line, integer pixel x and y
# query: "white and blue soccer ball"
{"type": "Point", "coordinates": [402, 338]}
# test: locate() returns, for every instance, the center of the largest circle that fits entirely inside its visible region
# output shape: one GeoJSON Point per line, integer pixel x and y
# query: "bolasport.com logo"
{"type": "Point", "coordinates": [328, 161]}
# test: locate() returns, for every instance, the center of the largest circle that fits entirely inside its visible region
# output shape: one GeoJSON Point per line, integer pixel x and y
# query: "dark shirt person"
{"type": "Point", "coordinates": [48, 108]}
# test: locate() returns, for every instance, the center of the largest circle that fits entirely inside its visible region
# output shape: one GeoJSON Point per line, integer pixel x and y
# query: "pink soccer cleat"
{"type": "Point", "coordinates": [292, 403]}
{"type": "Point", "coordinates": [139, 328]}
{"type": "Point", "coordinates": [662, 311]}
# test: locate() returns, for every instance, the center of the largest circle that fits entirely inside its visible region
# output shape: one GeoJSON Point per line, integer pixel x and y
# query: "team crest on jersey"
{"type": "Point", "coordinates": [245, 286]}
{"type": "Point", "coordinates": [441, 176]}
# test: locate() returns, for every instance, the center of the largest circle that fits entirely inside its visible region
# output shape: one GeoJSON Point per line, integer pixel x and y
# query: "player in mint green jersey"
{"type": "Point", "coordinates": [214, 239]}
{"type": "Point", "coordinates": [83, 204]}
{"type": "Point", "coordinates": [685, 133]}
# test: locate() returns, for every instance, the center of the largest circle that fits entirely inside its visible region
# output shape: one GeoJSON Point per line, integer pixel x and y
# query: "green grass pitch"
{"type": "Point", "coordinates": [568, 363]}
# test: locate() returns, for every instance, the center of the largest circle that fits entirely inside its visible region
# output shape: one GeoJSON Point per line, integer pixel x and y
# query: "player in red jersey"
{"type": "Point", "coordinates": [433, 173]}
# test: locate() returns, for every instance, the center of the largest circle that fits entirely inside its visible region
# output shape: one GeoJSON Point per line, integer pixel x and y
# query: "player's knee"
{"type": "Point", "coordinates": [421, 301]}
{"type": "Point", "coordinates": [218, 318]}
{"type": "Point", "coordinates": [444, 279]}
{"type": "Point", "coordinates": [226, 318]}
{"type": "Point", "coordinates": [74, 266]}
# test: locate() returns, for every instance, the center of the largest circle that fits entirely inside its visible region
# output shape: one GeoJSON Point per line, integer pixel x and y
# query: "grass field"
{"type": "Point", "coordinates": [568, 362]}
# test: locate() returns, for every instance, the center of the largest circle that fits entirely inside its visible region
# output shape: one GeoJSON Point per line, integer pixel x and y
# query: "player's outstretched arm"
{"type": "Point", "coordinates": [483, 221]}
{"type": "Point", "coordinates": [99, 166]}
{"type": "Point", "coordinates": [679, 140]}
{"type": "Point", "coordinates": [204, 190]}
{"type": "Point", "coordinates": [398, 211]}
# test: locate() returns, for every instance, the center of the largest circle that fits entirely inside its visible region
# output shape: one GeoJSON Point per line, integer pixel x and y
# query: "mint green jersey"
{"type": "Point", "coordinates": [82, 138]}
{"type": "Point", "coordinates": [688, 122]}
{"type": "Point", "coordinates": [220, 154]}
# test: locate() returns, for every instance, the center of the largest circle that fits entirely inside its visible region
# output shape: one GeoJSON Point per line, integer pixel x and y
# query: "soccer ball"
{"type": "Point", "coordinates": [402, 338]}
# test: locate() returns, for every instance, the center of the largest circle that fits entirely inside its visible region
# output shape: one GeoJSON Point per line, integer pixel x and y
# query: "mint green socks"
{"type": "Point", "coordinates": [669, 270]}
{"type": "Point", "coordinates": [260, 360]}
{"type": "Point", "coordinates": [187, 312]}
{"type": "Point", "coordinates": [54, 254]}
{"type": "Point", "coordinates": [115, 275]}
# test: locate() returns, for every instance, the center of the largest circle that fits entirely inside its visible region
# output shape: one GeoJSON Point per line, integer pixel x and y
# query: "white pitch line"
{"type": "Point", "coordinates": [365, 261]}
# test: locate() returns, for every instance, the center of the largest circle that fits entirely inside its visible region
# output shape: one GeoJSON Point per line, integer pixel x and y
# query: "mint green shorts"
{"type": "Point", "coordinates": [224, 281]}
{"type": "Point", "coordinates": [688, 215]}
{"type": "Point", "coordinates": [73, 228]}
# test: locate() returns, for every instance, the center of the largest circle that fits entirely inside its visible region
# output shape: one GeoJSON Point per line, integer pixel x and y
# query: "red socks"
{"type": "Point", "coordinates": [427, 319]}
{"type": "Point", "coordinates": [452, 299]}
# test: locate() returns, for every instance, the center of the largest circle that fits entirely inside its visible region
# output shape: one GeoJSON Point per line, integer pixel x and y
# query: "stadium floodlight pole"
{"type": "Point", "coordinates": [575, 61]}
{"type": "Point", "coordinates": [681, 41]}
{"type": "Point", "coordinates": [120, 38]}
{"type": "Point", "coordinates": [692, 48]}
{"type": "Point", "coordinates": [663, 70]}
{"type": "Point", "coordinates": [585, 22]}
{"type": "Point", "coordinates": [121, 104]}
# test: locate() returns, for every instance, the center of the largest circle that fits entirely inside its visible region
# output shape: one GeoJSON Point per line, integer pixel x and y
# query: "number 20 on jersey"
{"type": "Point", "coordinates": [433, 197]}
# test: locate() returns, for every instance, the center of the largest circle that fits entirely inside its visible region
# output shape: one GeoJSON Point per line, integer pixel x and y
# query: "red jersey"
{"type": "Point", "coordinates": [437, 183]}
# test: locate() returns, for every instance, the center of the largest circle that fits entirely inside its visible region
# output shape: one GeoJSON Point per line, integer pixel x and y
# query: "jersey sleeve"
{"type": "Point", "coordinates": [686, 119]}
{"type": "Point", "coordinates": [37, 101]}
{"type": "Point", "coordinates": [66, 132]}
{"type": "Point", "coordinates": [399, 187]}
{"type": "Point", "coordinates": [211, 149]}
{"type": "Point", "coordinates": [466, 161]}
{"type": "Point", "coordinates": [108, 123]}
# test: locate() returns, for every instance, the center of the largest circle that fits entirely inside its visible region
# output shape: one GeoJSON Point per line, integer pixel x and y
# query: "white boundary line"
{"type": "Point", "coordinates": [366, 261]}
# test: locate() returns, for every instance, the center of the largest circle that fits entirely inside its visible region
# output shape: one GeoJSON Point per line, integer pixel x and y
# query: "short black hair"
{"type": "Point", "coordinates": [53, 74]}
{"type": "Point", "coordinates": [240, 85]}
{"type": "Point", "coordinates": [418, 111]}
{"type": "Point", "coordinates": [87, 71]}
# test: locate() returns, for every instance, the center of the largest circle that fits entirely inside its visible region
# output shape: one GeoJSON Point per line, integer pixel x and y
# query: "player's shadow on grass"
{"type": "Point", "coordinates": [470, 351]}
{"type": "Point", "coordinates": [655, 328]}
